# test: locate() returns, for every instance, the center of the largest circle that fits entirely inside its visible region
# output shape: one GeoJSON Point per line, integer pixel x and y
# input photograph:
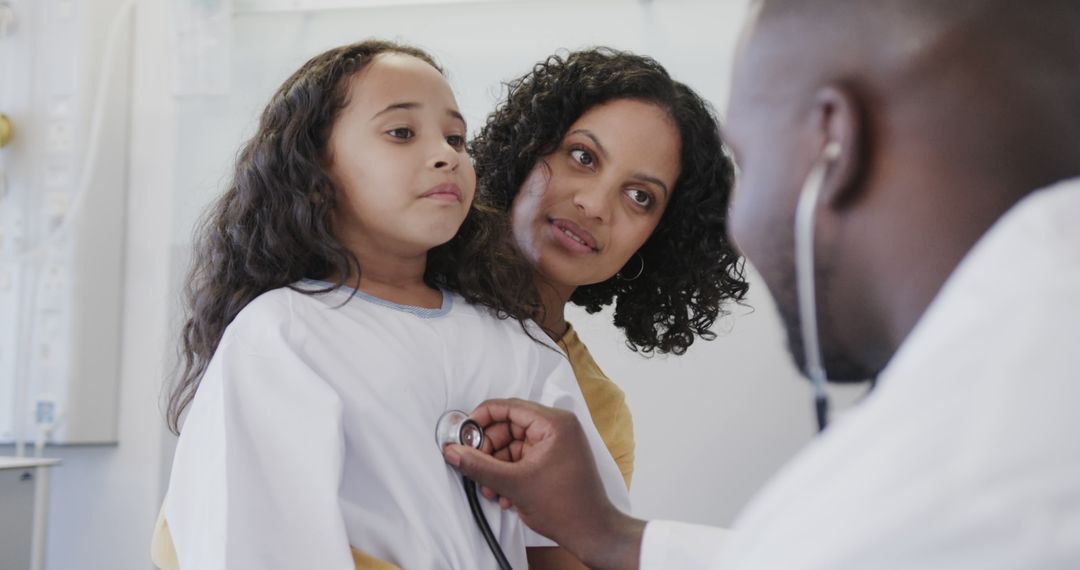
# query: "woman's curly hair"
{"type": "Point", "coordinates": [272, 227]}
{"type": "Point", "coordinates": [691, 271]}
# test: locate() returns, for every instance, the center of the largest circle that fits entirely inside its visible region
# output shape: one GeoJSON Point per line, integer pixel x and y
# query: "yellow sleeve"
{"type": "Point", "coordinates": [606, 402]}
{"type": "Point", "coordinates": [364, 562]}
{"type": "Point", "coordinates": [162, 551]}
{"type": "Point", "coordinates": [163, 554]}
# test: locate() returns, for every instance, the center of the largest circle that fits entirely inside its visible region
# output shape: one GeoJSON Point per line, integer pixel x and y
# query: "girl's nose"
{"type": "Point", "coordinates": [446, 157]}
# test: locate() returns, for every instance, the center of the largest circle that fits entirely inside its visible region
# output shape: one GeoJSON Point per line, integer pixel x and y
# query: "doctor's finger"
{"type": "Point", "coordinates": [499, 434]}
{"type": "Point", "coordinates": [503, 454]}
{"type": "Point", "coordinates": [489, 447]}
{"type": "Point", "coordinates": [527, 419]}
{"type": "Point", "coordinates": [516, 449]}
{"type": "Point", "coordinates": [500, 438]}
{"type": "Point", "coordinates": [512, 452]}
{"type": "Point", "coordinates": [499, 476]}
{"type": "Point", "coordinates": [528, 422]}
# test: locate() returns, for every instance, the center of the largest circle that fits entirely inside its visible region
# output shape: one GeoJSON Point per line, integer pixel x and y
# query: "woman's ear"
{"type": "Point", "coordinates": [839, 119]}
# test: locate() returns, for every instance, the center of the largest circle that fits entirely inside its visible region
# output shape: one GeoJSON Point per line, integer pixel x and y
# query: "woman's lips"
{"type": "Point", "coordinates": [572, 236]}
{"type": "Point", "coordinates": [445, 192]}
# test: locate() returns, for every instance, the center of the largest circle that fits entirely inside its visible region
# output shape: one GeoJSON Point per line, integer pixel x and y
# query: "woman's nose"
{"type": "Point", "coordinates": [594, 201]}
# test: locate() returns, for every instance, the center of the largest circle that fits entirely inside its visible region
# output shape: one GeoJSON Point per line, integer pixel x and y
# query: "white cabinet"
{"type": "Point", "coordinates": [23, 507]}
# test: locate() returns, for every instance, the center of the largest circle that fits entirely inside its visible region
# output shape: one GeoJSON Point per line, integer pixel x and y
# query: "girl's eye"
{"type": "Point", "coordinates": [403, 133]}
{"type": "Point", "coordinates": [582, 156]}
{"type": "Point", "coordinates": [640, 197]}
{"type": "Point", "coordinates": [456, 141]}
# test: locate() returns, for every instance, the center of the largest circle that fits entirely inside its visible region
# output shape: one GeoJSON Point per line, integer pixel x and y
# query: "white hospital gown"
{"type": "Point", "coordinates": [313, 430]}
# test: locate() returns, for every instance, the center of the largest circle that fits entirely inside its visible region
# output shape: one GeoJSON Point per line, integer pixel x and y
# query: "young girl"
{"type": "Point", "coordinates": [346, 292]}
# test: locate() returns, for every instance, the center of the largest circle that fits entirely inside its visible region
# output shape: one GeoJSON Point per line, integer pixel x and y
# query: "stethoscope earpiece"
{"type": "Point", "coordinates": [832, 151]}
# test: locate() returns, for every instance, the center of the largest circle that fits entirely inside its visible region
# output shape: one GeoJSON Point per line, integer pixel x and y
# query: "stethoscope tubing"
{"type": "Point", "coordinates": [454, 427]}
{"type": "Point", "coordinates": [804, 281]}
{"type": "Point", "coordinates": [482, 522]}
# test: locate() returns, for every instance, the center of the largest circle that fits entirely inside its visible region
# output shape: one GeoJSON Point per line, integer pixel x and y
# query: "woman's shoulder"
{"type": "Point", "coordinates": [588, 372]}
{"type": "Point", "coordinates": [606, 401]}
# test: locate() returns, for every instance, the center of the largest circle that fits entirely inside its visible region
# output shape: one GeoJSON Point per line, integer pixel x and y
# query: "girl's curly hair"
{"type": "Point", "coordinates": [272, 227]}
{"type": "Point", "coordinates": [691, 270]}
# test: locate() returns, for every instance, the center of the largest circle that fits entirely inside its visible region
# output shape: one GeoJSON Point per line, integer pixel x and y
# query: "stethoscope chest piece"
{"type": "Point", "coordinates": [456, 428]}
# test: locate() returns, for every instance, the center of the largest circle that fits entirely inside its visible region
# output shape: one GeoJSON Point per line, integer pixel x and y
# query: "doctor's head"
{"type": "Point", "coordinates": [944, 114]}
{"type": "Point", "coordinates": [617, 184]}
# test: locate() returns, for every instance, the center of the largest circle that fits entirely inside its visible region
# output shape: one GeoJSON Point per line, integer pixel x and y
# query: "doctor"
{"type": "Point", "coordinates": [947, 248]}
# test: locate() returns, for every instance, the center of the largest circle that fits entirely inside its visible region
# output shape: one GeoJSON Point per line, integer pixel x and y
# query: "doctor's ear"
{"type": "Point", "coordinates": [839, 119]}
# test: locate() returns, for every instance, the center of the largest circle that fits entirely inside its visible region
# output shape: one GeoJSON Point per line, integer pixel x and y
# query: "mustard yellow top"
{"type": "Point", "coordinates": [607, 406]}
{"type": "Point", "coordinates": [606, 402]}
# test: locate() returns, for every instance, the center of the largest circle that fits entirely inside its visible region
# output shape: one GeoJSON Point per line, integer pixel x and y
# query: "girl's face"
{"type": "Point", "coordinates": [397, 156]}
{"type": "Point", "coordinates": [600, 196]}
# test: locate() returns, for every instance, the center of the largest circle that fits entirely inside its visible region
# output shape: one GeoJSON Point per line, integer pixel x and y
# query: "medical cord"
{"type": "Point", "coordinates": [821, 407]}
{"type": "Point", "coordinates": [804, 281]}
{"type": "Point", "coordinates": [481, 521]}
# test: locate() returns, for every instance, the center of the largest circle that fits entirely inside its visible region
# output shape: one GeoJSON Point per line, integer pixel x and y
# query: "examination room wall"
{"type": "Point", "coordinates": [711, 426]}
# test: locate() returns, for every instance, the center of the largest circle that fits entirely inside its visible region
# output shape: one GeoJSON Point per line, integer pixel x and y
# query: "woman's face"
{"type": "Point", "coordinates": [586, 208]}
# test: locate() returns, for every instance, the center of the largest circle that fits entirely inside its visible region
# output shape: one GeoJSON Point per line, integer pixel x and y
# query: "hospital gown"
{"type": "Point", "coordinates": [313, 431]}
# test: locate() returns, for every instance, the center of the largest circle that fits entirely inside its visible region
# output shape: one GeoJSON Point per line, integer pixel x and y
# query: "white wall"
{"type": "Point", "coordinates": [711, 426]}
{"type": "Point", "coordinates": [104, 498]}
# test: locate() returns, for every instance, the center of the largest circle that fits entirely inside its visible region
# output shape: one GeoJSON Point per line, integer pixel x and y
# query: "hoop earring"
{"type": "Point", "coordinates": [641, 269]}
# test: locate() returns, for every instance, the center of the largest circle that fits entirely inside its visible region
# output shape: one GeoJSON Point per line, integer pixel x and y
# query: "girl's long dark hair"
{"type": "Point", "coordinates": [272, 227]}
{"type": "Point", "coordinates": [691, 270]}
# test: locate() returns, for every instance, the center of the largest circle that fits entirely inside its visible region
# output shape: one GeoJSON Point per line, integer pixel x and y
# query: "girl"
{"type": "Point", "coordinates": [618, 186]}
{"type": "Point", "coordinates": [346, 292]}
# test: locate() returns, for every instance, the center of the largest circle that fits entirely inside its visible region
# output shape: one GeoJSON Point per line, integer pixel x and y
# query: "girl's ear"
{"type": "Point", "coordinates": [840, 124]}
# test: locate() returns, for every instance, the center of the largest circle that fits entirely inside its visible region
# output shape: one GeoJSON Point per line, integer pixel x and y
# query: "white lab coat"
{"type": "Point", "coordinates": [966, 455]}
{"type": "Point", "coordinates": [313, 430]}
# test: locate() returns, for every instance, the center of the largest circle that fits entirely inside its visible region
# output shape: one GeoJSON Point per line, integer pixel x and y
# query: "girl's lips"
{"type": "Point", "coordinates": [573, 236]}
{"type": "Point", "coordinates": [447, 192]}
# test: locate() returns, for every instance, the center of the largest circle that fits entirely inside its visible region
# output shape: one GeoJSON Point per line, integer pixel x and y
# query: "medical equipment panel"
{"type": "Point", "coordinates": [64, 92]}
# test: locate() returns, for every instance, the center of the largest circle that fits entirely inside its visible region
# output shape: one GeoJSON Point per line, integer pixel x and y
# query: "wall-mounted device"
{"type": "Point", "coordinates": [63, 165]}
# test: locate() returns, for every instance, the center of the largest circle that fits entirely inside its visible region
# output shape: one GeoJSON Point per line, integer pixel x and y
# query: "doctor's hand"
{"type": "Point", "coordinates": [541, 464]}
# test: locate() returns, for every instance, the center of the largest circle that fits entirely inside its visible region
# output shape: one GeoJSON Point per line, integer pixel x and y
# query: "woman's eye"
{"type": "Point", "coordinates": [403, 133]}
{"type": "Point", "coordinates": [640, 197]}
{"type": "Point", "coordinates": [582, 156]}
{"type": "Point", "coordinates": [456, 141]}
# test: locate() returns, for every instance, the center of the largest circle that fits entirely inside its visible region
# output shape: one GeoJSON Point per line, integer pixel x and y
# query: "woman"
{"type": "Point", "coordinates": [617, 183]}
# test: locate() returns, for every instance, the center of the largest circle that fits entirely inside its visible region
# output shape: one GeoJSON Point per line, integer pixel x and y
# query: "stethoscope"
{"type": "Point", "coordinates": [804, 279]}
{"type": "Point", "coordinates": [455, 427]}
